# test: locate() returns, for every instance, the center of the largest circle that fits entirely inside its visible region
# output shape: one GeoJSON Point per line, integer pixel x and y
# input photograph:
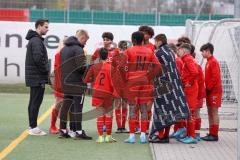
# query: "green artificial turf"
{"type": "Point", "coordinates": [14, 121]}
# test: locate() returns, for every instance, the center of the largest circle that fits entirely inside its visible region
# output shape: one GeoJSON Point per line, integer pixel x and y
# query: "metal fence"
{"type": "Point", "coordinates": [118, 18]}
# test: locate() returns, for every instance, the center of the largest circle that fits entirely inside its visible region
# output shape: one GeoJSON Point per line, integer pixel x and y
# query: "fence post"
{"type": "Point", "coordinates": [92, 16]}
{"type": "Point", "coordinates": [159, 18]}
{"type": "Point", "coordinates": [156, 18]}
{"type": "Point", "coordinates": [124, 18]}
{"type": "Point", "coordinates": [44, 13]}
{"type": "Point", "coordinates": [68, 10]}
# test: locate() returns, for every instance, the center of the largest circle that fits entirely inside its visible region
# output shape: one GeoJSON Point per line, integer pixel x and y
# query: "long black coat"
{"type": "Point", "coordinates": [36, 63]}
{"type": "Point", "coordinates": [170, 102]}
{"type": "Point", "coordinates": [73, 66]}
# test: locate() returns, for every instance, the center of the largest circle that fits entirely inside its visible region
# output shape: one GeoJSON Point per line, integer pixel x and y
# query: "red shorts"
{"type": "Point", "coordinates": [140, 94]}
{"type": "Point", "coordinates": [191, 96]}
{"type": "Point", "coordinates": [214, 100]}
{"type": "Point", "coordinates": [102, 102]}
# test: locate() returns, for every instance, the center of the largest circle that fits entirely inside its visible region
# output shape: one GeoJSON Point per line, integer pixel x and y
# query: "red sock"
{"type": "Point", "coordinates": [132, 125]}
{"type": "Point", "coordinates": [137, 119]}
{"type": "Point", "coordinates": [108, 123]}
{"type": "Point", "coordinates": [149, 118]}
{"type": "Point", "coordinates": [176, 126]}
{"type": "Point", "coordinates": [161, 133]}
{"type": "Point", "coordinates": [144, 125]}
{"type": "Point", "coordinates": [124, 116]}
{"type": "Point", "coordinates": [166, 132]}
{"type": "Point", "coordinates": [198, 124]}
{"type": "Point", "coordinates": [118, 117]}
{"type": "Point", "coordinates": [54, 117]}
{"type": "Point", "coordinates": [214, 129]}
{"type": "Point", "coordinates": [191, 128]}
{"type": "Point", "coordinates": [149, 115]}
{"type": "Point", "coordinates": [100, 123]}
{"type": "Point", "coordinates": [182, 124]}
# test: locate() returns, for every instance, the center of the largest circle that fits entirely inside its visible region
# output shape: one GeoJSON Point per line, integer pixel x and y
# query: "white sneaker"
{"type": "Point", "coordinates": [36, 132]}
{"type": "Point", "coordinates": [72, 134]}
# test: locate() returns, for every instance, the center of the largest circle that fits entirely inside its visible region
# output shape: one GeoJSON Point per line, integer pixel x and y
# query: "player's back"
{"type": "Point", "coordinates": [139, 59]}
{"type": "Point", "coordinates": [101, 78]}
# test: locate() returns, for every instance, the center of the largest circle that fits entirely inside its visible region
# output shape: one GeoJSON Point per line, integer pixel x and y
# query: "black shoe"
{"type": "Point", "coordinates": [119, 130]}
{"type": "Point", "coordinates": [82, 136]}
{"type": "Point", "coordinates": [159, 140]}
{"type": "Point", "coordinates": [210, 137]}
{"type": "Point", "coordinates": [63, 135]}
{"type": "Point", "coordinates": [124, 130]}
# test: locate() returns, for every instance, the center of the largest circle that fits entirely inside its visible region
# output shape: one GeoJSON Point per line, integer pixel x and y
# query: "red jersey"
{"type": "Point", "coordinates": [179, 63]}
{"type": "Point", "coordinates": [140, 73]}
{"type": "Point", "coordinates": [213, 80]}
{"type": "Point", "coordinates": [111, 53]}
{"type": "Point", "coordinates": [57, 77]}
{"type": "Point", "coordinates": [119, 78]}
{"type": "Point", "coordinates": [189, 76]}
{"type": "Point", "coordinates": [100, 75]}
{"type": "Point", "coordinates": [201, 85]}
{"type": "Point", "coordinates": [150, 46]}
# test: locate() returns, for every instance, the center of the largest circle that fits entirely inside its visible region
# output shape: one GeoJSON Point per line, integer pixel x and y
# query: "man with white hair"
{"type": "Point", "coordinates": [73, 66]}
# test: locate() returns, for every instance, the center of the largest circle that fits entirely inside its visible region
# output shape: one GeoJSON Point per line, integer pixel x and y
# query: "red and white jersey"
{"type": "Point", "coordinates": [111, 53]}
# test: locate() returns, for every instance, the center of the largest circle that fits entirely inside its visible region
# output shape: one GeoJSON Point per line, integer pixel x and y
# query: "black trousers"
{"type": "Point", "coordinates": [72, 105]}
{"type": "Point", "coordinates": [35, 101]}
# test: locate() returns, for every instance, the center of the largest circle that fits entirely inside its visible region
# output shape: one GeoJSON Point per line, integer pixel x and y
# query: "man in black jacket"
{"type": "Point", "coordinates": [73, 66]}
{"type": "Point", "coordinates": [36, 72]}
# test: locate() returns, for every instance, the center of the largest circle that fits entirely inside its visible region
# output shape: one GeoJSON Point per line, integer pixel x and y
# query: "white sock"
{"type": "Point", "coordinates": [79, 132]}
{"type": "Point", "coordinates": [131, 135]}
{"type": "Point", "coordinates": [143, 134]}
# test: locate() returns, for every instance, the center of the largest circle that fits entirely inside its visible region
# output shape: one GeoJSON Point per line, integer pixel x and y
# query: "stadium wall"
{"type": "Point", "coordinates": [13, 42]}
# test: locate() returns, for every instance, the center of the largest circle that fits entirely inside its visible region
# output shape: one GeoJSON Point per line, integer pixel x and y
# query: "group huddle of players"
{"type": "Point", "coordinates": [122, 81]}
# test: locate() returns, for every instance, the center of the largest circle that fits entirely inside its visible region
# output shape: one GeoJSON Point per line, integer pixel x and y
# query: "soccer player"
{"type": "Point", "coordinates": [57, 89]}
{"type": "Point", "coordinates": [148, 34]}
{"type": "Point", "coordinates": [189, 78]}
{"type": "Point", "coordinates": [201, 96]}
{"type": "Point", "coordinates": [213, 85]}
{"type": "Point", "coordinates": [107, 44]}
{"type": "Point", "coordinates": [120, 61]}
{"type": "Point", "coordinates": [100, 76]}
{"type": "Point", "coordinates": [142, 68]}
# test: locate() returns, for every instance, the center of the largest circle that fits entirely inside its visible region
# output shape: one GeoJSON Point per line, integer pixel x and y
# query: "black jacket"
{"type": "Point", "coordinates": [73, 66]}
{"type": "Point", "coordinates": [36, 63]}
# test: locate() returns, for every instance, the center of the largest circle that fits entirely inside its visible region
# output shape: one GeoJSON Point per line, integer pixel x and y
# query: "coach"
{"type": "Point", "coordinates": [73, 66]}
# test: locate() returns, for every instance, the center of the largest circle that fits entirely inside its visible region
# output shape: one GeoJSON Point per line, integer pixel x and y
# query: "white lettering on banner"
{"type": "Point", "coordinates": [13, 42]}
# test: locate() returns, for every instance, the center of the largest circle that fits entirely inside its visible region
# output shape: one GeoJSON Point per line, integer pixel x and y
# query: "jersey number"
{"type": "Point", "coordinates": [141, 62]}
{"type": "Point", "coordinates": [102, 77]}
